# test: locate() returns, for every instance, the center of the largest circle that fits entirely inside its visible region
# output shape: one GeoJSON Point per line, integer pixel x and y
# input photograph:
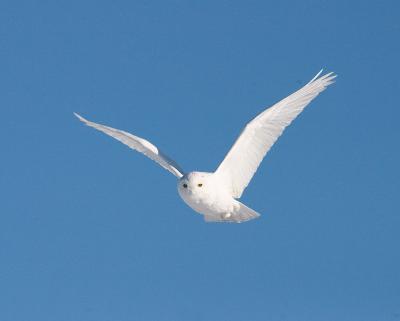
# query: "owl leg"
{"type": "Point", "coordinates": [227, 216]}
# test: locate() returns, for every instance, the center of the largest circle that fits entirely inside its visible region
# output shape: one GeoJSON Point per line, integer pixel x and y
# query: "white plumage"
{"type": "Point", "coordinates": [139, 144]}
{"type": "Point", "coordinates": [260, 134]}
{"type": "Point", "coordinates": [215, 194]}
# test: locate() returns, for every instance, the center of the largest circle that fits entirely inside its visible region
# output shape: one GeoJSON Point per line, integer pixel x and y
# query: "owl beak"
{"type": "Point", "coordinates": [190, 190]}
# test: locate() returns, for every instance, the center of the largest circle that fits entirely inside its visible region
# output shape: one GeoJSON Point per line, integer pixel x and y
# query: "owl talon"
{"type": "Point", "coordinates": [227, 215]}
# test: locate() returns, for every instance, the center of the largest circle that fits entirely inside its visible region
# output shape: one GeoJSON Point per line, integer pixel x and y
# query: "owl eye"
{"type": "Point", "coordinates": [200, 185]}
{"type": "Point", "coordinates": [185, 185]}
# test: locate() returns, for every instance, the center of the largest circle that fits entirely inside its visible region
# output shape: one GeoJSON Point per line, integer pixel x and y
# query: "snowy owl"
{"type": "Point", "coordinates": [215, 195]}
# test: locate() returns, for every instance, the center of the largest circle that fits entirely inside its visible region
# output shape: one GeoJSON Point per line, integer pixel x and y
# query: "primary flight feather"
{"type": "Point", "coordinates": [215, 195]}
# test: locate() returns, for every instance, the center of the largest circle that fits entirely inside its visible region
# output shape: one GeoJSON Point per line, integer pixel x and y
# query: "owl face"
{"type": "Point", "coordinates": [194, 183]}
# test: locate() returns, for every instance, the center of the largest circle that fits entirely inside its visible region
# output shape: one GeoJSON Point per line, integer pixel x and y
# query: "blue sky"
{"type": "Point", "coordinates": [81, 238]}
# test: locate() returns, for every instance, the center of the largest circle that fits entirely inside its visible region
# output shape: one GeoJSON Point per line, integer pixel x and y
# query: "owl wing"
{"type": "Point", "coordinates": [139, 144]}
{"type": "Point", "coordinates": [258, 136]}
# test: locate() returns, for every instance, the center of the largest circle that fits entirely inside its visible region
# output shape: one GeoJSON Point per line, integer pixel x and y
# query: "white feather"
{"type": "Point", "coordinates": [139, 144]}
{"type": "Point", "coordinates": [257, 138]}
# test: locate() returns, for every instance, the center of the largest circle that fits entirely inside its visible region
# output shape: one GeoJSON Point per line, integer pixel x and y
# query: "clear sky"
{"type": "Point", "coordinates": [92, 231]}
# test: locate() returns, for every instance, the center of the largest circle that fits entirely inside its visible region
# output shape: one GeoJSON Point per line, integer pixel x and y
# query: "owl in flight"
{"type": "Point", "coordinates": [215, 195]}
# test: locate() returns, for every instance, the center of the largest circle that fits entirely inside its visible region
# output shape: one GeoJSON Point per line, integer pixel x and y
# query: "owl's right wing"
{"type": "Point", "coordinates": [256, 139]}
{"type": "Point", "coordinates": [141, 145]}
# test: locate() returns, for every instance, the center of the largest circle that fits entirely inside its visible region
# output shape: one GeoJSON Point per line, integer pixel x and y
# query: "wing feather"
{"type": "Point", "coordinates": [139, 144]}
{"type": "Point", "coordinates": [258, 136]}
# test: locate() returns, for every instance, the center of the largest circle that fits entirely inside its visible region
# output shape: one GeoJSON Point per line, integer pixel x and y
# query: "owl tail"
{"type": "Point", "coordinates": [244, 214]}
{"type": "Point", "coordinates": [240, 215]}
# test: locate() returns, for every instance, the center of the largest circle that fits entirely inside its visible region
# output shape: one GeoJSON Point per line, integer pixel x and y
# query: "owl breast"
{"type": "Point", "coordinates": [204, 195]}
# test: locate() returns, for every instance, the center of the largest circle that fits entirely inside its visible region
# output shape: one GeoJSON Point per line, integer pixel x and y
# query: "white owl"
{"type": "Point", "coordinates": [215, 195]}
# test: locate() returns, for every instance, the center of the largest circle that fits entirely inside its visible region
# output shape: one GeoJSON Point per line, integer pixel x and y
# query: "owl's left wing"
{"type": "Point", "coordinates": [256, 139]}
{"type": "Point", "coordinates": [140, 144]}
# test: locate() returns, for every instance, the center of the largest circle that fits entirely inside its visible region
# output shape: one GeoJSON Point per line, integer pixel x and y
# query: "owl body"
{"type": "Point", "coordinates": [206, 194]}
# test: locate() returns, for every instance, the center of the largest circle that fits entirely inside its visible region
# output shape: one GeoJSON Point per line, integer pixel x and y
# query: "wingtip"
{"type": "Point", "coordinates": [316, 76]}
{"type": "Point", "coordinates": [80, 117]}
{"type": "Point", "coordinates": [328, 76]}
